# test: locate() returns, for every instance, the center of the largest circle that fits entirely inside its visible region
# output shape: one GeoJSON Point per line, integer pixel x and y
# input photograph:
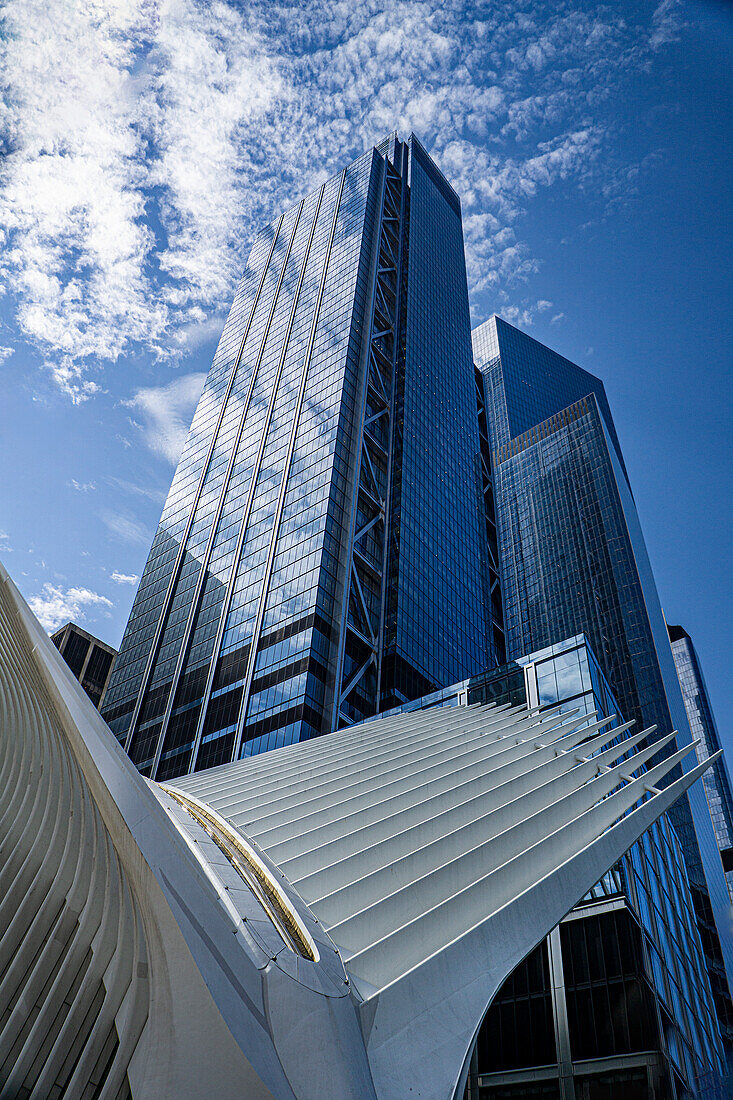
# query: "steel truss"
{"type": "Point", "coordinates": [362, 636]}
{"type": "Point", "coordinates": [497, 636]}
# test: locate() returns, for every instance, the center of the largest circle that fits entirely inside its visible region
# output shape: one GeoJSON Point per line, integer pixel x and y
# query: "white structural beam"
{"type": "Point", "coordinates": [330, 920]}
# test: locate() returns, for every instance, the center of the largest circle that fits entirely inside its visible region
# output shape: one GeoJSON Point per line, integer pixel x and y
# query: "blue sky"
{"type": "Point", "coordinates": [145, 141]}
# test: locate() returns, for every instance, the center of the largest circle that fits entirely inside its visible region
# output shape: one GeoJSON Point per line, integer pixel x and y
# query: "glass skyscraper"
{"type": "Point", "coordinates": [702, 723]}
{"type": "Point", "coordinates": [322, 551]}
{"type": "Point", "coordinates": [573, 560]}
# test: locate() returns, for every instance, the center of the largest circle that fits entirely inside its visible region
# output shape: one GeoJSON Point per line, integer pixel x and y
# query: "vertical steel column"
{"type": "Point", "coordinates": [495, 608]}
{"type": "Point", "coordinates": [560, 1015]}
{"type": "Point", "coordinates": [361, 636]}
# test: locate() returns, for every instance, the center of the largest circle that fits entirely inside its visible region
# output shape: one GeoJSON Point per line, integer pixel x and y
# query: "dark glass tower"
{"type": "Point", "coordinates": [573, 560]}
{"type": "Point", "coordinates": [88, 658]}
{"type": "Point", "coordinates": [317, 555]}
{"type": "Point", "coordinates": [702, 723]}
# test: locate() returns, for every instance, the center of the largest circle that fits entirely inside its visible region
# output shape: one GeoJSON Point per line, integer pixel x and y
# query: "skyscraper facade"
{"type": "Point", "coordinates": [89, 659]}
{"type": "Point", "coordinates": [703, 725]}
{"type": "Point", "coordinates": [306, 568]}
{"type": "Point", "coordinates": [573, 560]}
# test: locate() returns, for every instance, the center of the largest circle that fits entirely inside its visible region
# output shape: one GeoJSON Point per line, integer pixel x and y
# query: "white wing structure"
{"type": "Point", "coordinates": [329, 921]}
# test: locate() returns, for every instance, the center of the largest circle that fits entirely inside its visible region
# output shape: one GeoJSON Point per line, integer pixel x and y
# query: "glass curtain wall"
{"type": "Point", "coordinates": [317, 555]}
{"type": "Point", "coordinates": [573, 559]}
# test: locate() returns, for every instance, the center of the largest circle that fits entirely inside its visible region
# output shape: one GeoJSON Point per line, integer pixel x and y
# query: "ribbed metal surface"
{"type": "Point", "coordinates": [404, 834]}
{"type": "Point", "coordinates": [73, 985]}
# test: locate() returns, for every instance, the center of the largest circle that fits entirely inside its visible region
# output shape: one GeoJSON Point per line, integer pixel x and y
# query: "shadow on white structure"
{"type": "Point", "coordinates": [330, 920]}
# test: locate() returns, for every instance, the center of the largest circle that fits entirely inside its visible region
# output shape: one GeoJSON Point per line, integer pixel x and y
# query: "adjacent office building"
{"type": "Point", "coordinates": [617, 1001]}
{"type": "Point", "coordinates": [322, 550]}
{"type": "Point", "coordinates": [573, 560]}
{"type": "Point", "coordinates": [702, 723]}
{"type": "Point", "coordinates": [89, 659]}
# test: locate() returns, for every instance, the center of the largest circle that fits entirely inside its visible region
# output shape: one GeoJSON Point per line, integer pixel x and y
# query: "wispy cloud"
{"type": "Point", "coordinates": [524, 313]}
{"type": "Point", "coordinates": [667, 23]}
{"type": "Point", "coordinates": [55, 605]}
{"type": "Point", "coordinates": [82, 486]}
{"type": "Point", "coordinates": [518, 315]}
{"type": "Point", "coordinates": [73, 203]}
{"type": "Point", "coordinates": [190, 336]}
{"type": "Point", "coordinates": [157, 495]}
{"type": "Point", "coordinates": [124, 578]}
{"type": "Point", "coordinates": [5, 353]}
{"type": "Point", "coordinates": [126, 527]}
{"type": "Point", "coordinates": [166, 412]}
{"type": "Point", "coordinates": [146, 141]}
{"type": "Point", "coordinates": [207, 144]}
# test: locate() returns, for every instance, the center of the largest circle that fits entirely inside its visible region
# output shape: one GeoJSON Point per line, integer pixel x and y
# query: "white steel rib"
{"type": "Point", "coordinates": [331, 919]}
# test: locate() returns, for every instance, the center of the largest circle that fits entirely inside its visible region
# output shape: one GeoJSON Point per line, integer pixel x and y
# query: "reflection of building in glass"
{"type": "Point", "coordinates": [702, 724]}
{"type": "Point", "coordinates": [308, 562]}
{"type": "Point", "coordinates": [573, 559]}
{"type": "Point", "coordinates": [89, 659]}
{"type": "Point", "coordinates": [617, 1002]}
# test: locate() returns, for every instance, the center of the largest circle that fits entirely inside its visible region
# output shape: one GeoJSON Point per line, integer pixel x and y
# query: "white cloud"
{"type": "Point", "coordinates": [5, 353]}
{"type": "Point", "coordinates": [214, 84]}
{"type": "Point", "coordinates": [54, 605]}
{"type": "Point", "coordinates": [520, 316]}
{"type": "Point", "coordinates": [167, 412]}
{"type": "Point", "coordinates": [82, 486]}
{"type": "Point", "coordinates": [124, 578]}
{"type": "Point", "coordinates": [667, 22]}
{"type": "Point", "coordinates": [523, 314]}
{"type": "Point", "coordinates": [191, 336]}
{"type": "Point", "coordinates": [147, 140]}
{"type": "Point", "coordinates": [70, 377]}
{"type": "Point", "coordinates": [72, 204]}
{"type": "Point", "coordinates": [157, 495]}
{"type": "Point", "coordinates": [127, 528]}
